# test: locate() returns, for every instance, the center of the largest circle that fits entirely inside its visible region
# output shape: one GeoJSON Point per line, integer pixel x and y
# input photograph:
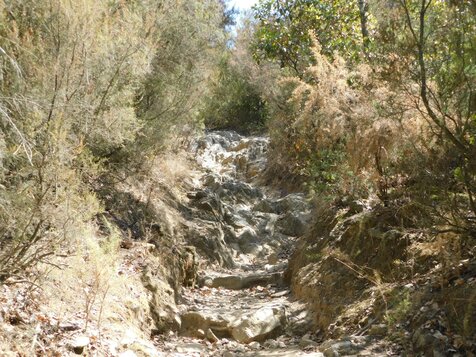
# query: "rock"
{"type": "Point", "coordinates": [255, 345]}
{"type": "Point", "coordinates": [235, 220]}
{"type": "Point", "coordinates": [424, 341]}
{"type": "Point", "coordinates": [209, 239]}
{"type": "Point", "coordinates": [259, 324]}
{"type": "Point", "coordinates": [272, 258]}
{"type": "Point", "coordinates": [306, 342]}
{"type": "Point", "coordinates": [292, 224]}
{"type": "Point", "coordinates": [266, 206]}
{"type": "Point", "coordinates": [192, 321]}
{"type": "Point", "coordinates": [161, 304]}
{"type": "Point", "coordinates": [127, 353]}
{"type": "Point", "coordinates": [252, 248]}
{"type": "Point", "coordinates": [378, 330]}
{"type": "Point", "coordinates": [211, 336]}
{"type": "Point", "coordinates": [237, 282]}
{"type": "Point", "coordinates": [79, 344]}
{"type": "Point", "coordinates": [190, 348]}
{"type": "Point", "coordinates": [240, 190]}
{"type": "Point", "coordinates": [144, 348]}
{"type": "Point", "coordinates": [271, 344]}
{"type": "Point", "coordinates": [128, 338]}
{"type": "Point", "coordinates": [69, 326]}
{"type": "Point", "coordinates": [293, 202]}
{"type": "Point", "coordinates": [343, 347]}
{"type": "Point", "coordinates": [248, 236]}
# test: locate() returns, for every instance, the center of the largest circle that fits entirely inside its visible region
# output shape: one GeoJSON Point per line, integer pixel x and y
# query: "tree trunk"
{"type": "Point", "coordinates": [363, 11]}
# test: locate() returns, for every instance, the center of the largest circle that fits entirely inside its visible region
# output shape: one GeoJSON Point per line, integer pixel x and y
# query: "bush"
{"type": "Point", "coordinates": [234, 102]}
{"type": "Point", "coordinates": [84, 88]}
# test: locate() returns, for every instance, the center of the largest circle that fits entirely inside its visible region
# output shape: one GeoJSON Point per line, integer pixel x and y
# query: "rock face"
{"type": "Point", "coordinates": [162, 302]}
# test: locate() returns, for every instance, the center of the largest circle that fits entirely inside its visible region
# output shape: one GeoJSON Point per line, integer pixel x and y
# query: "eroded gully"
{"type": "Point", "coordinates": [241, 305]}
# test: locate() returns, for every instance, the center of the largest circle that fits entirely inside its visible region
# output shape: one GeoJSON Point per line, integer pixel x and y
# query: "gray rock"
{"type": "Point", "coordinates": [266, 206]}
{"type": "Point", "coordinates": [339, 348]}
{"type": "Point", "coordinates": [292, 224]}
{"type": "Point", "coordinates": [293, 202]}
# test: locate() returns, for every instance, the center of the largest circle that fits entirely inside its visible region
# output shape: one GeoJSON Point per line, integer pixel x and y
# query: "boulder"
{"type": "Point", "coordinates": [237, 282]}
{"type": "Point", "coordinates": [217, 322]}
{"type": "Point", "coordinates": [259, 324]}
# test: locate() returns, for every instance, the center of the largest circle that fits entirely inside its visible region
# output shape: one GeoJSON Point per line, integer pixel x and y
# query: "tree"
{"type": "Point", "coordinates": [284, 28]}
{"type": "Point", "coordinates": [443, 39]}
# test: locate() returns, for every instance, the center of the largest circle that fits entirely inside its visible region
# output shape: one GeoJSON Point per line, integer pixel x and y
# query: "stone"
{"type": "Point", "coordinates": [266, 206]}
{"type": "Point", "coordinates": [128, 338]}
{"type": "Point", "coordinates": [127, 353]}
{"type": "Point", "coordinates": [378, 330]}
{"type": "Point", "coordinates": [293, 202]}
{"type": "Point", "coordinates": [272, 258]}
{"type": "Point", "coordinates": [79, 344]}
{"type": "Point", "coordinates": [251, 248]}
{"type": "Point", "coordinates": [255, 345]}
{"type": "Point", "coordinates": [306, 342]}
{"type": "Point", "coordinates": [292, 224]}
{"type": "Point", "coordinates": [192, 321]}
{"type": "Point", "coordinates": [343, 347]}
{"type": "Point", "coordinates": [191, 347]}
{"type": "Point", "coordinates": [144, 348]}
{"type": "Point", "coordinates": [271, 344]}
{"type": "Point", "coordinates": [238, 282]}
{"type": "Point", "coordinates": [69, 326]}
{"type": "Point", "coordinates": [248, 236]}
{"type": "Point", "coordinates": [211, 336]}
{"type": "Point", "coordinates": [257, 325]}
